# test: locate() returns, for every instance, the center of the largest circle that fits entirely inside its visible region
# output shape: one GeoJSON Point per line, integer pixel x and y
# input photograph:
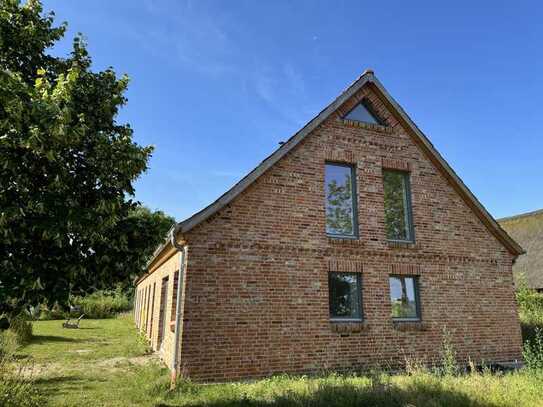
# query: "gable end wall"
{"type": "Point", "coordinates": [257, 276]}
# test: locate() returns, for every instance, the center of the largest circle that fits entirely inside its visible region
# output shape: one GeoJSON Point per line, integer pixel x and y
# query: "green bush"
{"type": "Point", "coordinates": [533, 351]}
{"type": "Point", "coordinates": [54, 312]}
{"type": "Point", "coordinates": [530, 305]}
{"type": "Point", "coordinates": [103, 304]}
{"type": "Point", "coordinates": [22, 328]}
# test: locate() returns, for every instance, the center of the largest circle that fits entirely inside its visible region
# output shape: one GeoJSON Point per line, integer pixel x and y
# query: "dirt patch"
{"type": "Point", "coordinates": [122, 360]}
{"type": "Point", "coordinates": [36, 370]}
{"type": "Point", "coordinates": [31, 369]}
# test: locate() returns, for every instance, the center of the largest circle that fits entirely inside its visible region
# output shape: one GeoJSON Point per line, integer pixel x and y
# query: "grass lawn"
{"type": "Point", "coordinates": [99, 364]}
{"type": "Point", "coordinates": [104, 363]}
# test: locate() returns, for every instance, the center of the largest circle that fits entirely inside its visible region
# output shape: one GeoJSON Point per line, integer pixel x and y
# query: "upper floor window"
{"type": "Point", "coordinates": [362, 113]}
{"type": "Point", "coordinates": [404, 298]}
{"type": "Point", "coordinates": [340, 200]}
{"type": "Point", "coordinates": [398, 217]}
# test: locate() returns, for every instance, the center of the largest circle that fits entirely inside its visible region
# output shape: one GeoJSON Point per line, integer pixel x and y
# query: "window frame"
{"type": "Point", "coordinates": [354, 200]}
{"type": "Point", "coordinates": [416, 289]}
{"type": "Point", "coordinates": [360, 302]}
{"type": "Point", "coordinates": [175, 285]}
{"type": "Point", "coordinates": [407, 202]}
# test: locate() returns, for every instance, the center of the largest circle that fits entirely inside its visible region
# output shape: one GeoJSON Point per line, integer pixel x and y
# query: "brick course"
{"type": "Point", "coordinates": [255, 290]}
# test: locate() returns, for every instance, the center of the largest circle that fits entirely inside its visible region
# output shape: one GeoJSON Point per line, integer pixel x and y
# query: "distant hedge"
{"type": "Point", "coordinates": [98, 305]}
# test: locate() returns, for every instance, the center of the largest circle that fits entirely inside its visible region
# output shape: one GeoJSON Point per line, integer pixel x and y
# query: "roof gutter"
{"type": "Point", "coordinates": [177, 331]}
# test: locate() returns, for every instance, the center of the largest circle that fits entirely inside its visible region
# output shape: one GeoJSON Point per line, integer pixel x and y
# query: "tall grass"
{"type": "Point", "coordinates": [420, 388]}
{"type": "Point", "coordinates": [16, 386]}
{"type": "Point", "coordinates": [21, 328]}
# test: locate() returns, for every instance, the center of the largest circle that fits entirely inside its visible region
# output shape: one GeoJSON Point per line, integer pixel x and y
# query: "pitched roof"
{"type": "Point", "coordinates": [527, 229]}
{"type": "Point", "coordinates": [367, 78]}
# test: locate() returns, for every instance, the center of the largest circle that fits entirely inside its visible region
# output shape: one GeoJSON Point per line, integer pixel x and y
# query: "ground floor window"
{"type": "Point", "coordinates": [404, 297]}
{"type": "Point", "coordinates": [345, 296]}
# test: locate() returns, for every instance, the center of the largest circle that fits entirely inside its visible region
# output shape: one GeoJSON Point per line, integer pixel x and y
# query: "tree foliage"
{"type": "Point", "coordinates": [124, 255]}
{"type": "Point", "coordinates": [67, 166]}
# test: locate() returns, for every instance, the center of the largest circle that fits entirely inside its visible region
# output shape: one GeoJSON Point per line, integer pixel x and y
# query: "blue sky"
{"type": "Point", "coordinates": [215, 85]}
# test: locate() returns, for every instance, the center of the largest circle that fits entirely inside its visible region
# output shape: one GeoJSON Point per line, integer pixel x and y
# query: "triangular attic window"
{"type": "Point", "coordinates": [362, 114]}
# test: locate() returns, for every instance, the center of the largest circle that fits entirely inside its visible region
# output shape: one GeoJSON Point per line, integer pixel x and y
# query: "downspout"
{"type": "Point", "coordinates": [177, 331]}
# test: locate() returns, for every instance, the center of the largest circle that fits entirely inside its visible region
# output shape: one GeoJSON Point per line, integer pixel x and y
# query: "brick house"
{"type": "Point", "coordinates": [353, 245]}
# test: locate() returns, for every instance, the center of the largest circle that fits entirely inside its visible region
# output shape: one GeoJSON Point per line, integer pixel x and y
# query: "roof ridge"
{"type": "Point", "coordinates": [521, 215]}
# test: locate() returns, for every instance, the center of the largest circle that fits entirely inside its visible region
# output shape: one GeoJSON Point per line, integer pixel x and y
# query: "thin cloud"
{"type": "Point", "coordinates": [283, 89]}
{"type": "Point", "coordinates": [190, 37]}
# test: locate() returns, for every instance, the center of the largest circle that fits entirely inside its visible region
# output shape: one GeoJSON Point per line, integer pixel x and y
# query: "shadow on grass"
{"type": "Point", "coordinates": [65, 385]}
{"type": "Point", "coordinates": [56, 380]}
{"type": "Point", "coordinates": [40, 339]}
{"type": "Point", "coordinates": [419, 394]}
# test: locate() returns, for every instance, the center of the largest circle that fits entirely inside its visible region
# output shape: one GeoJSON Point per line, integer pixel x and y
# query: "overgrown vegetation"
{"type": "Point", "coordinates": [21, 328]}
{"type": "Point", "coordinates": [98, 305]}
{"type": "Point", "coordinates": [103, 303]}
{"type": "Point", "coordinates": [449, 365]}
{"type": "Point", "coordinates": [421, 388]}
{"type": "Point", "coordinates": [106, 364]}
{"type": "Point", "coordinates": [16, 386]}
{"type": "Point", "coordinates": [530, 305]}
{"type": "Point", "coordinates": [533, 351]}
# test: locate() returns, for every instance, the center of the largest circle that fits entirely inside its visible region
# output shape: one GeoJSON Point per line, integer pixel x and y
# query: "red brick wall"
{"type": "Point", "coordinates": [257, 276]}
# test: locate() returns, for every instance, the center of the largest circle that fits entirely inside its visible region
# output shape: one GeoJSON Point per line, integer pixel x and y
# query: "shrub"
{"type": "Point", "coordinates": [533, 351]}
{"type": "Point", "coordinates": [530, 304]}
{"type": "Point", "coordinates": [22, 328]}
{"type": "Point", "coordinates": [103, 303]}
{"type": "Point", "coordinates": [55, 312]}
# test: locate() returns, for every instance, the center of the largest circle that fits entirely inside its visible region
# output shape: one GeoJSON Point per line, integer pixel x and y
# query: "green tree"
{"type": "Point", "coordinates": [124, 255]}
{"type": "Point", "coordinates": [67, 166]}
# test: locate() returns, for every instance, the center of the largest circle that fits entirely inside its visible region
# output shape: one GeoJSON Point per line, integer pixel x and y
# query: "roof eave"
{"type": "Point", "coordinates": [495, 228]}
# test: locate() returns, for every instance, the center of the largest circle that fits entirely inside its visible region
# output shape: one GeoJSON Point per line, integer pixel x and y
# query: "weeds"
{"type": "Point", "coordinates": [22, 328]}
{"type": "Point", "coordinates": [449, 364]}
{"type": "Point", "coordinates": [16, 386]}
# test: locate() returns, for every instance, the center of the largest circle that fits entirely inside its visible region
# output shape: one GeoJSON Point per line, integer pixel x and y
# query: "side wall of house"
{"type": "Point", "coordinates": [151, 315]}
{"type": "Point", "coordinates": [257, 281]}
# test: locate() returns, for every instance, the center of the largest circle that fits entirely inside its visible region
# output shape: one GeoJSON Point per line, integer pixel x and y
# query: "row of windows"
{"type": "Point", "coordinates": [145, 306]}
{"type": "Point", "coordinates": [346, 297]}
{"type": "Point", "coordinates": [341, 203]}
